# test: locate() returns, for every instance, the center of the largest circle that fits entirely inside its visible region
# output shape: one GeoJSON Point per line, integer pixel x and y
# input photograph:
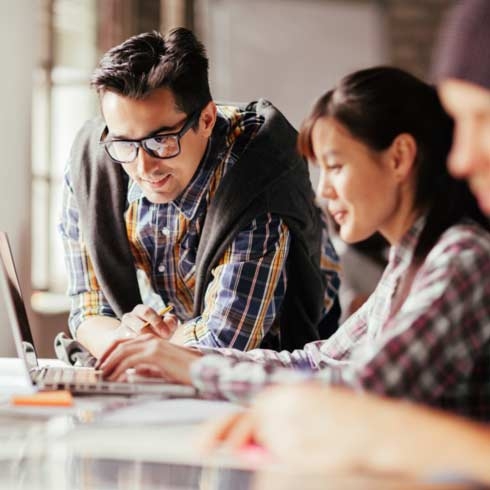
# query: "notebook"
{"type": "Point", "coordinates": [76, 380]}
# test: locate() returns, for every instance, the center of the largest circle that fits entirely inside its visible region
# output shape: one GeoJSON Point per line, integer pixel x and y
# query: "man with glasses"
{"type": "Point", "coordinates": [171, 200]}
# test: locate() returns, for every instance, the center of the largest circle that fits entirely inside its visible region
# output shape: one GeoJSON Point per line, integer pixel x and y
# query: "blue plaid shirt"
{"type": "Point", "coordinates": [244, 297]}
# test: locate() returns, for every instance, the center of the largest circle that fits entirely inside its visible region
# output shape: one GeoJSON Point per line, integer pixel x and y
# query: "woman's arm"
{"type": "Point", "coordinates": [315, 428]}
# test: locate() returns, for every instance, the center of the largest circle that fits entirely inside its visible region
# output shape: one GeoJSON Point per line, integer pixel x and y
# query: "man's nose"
{"type": "Point", "coordinates": [144, 161]}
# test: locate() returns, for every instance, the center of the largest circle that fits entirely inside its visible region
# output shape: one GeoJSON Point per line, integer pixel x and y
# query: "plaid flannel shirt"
{"type": "Point", "coordinates": [244, 298]}
{"type": "Point", "coordinates": [434, 349]}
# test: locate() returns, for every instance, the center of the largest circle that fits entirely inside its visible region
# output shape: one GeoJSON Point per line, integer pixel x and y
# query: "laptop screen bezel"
{"type": "Point", "coordinates": [16, 311]}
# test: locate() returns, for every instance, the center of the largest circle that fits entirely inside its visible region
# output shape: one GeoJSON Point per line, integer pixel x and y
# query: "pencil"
{"type": "Point", "coordinates": [162, 312]}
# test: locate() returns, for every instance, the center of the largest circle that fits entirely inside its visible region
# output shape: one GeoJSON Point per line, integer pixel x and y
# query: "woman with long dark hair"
{"type": "Point", "coordinates": [335, 428]}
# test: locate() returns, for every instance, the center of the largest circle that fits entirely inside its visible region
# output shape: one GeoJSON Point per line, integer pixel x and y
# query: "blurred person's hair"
{"type": "Point", "coordinates": [149, 61]}
{"type": "Point", "coordinates": [461, 43]}
{"type": "Point", "coordinates": [378, 104]}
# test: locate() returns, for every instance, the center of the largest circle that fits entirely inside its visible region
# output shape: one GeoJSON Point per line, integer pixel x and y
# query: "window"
{"type": "Point", "coordinates": [62, 101]}
{"type": "Point", "coordinates": [73, 35]}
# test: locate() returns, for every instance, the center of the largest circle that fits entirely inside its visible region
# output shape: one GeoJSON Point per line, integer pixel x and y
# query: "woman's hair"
{"type": "Point", "coordinates": [378, 104]}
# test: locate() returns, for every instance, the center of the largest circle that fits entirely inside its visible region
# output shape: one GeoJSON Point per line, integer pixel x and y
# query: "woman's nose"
{"type": "Point", "coordinates": [325, 190]}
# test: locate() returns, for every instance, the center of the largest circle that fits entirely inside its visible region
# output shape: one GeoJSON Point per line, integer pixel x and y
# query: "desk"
{"type": "Point", "coordinates": [55, 450]}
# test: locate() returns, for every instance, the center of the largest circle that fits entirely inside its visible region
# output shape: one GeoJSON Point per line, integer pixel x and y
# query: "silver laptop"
{"type": "Point", "coordinates": [76, 380]}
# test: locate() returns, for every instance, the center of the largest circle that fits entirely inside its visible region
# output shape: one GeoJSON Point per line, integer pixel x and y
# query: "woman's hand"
{"type": "Point", "coordinates": [315, 428]}
{"type": "Point", "coordinates": [310, 427]}
{"type": "Point", "coordinates": [148, 355]}
{"type": "Point", "coordinates": [232, 432]}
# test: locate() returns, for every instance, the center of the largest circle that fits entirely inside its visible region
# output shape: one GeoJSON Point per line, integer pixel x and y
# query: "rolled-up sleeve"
{"type": "Point", "coordinates": [85, 293]}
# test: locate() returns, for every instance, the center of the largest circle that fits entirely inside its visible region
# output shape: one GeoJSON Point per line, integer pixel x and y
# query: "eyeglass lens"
{"type": "Point", "coordinates": [158, 146]}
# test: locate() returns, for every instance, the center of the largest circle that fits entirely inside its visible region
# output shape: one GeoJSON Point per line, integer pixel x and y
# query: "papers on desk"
{"type": "Point", "coordinates": [150, 430]}
{"type": "Point", "coordinates": [168, 412]}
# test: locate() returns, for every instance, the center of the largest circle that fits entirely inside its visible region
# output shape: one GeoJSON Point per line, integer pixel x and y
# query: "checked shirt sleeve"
{"type": "Point", "coordinates": [427, 348]}
{"type": "Point", "coordinates": [238, 376]}
{"type": "Point", "coordinates": [245, 296]}
{"type": "Point", "coordinates": [439, 333]}
{"type": "Point", "coordinates": [85, 294]}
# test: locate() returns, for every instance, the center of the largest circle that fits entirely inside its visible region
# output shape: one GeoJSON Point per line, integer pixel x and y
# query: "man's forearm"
{"type": "Point", "coordinates": [97, 333]}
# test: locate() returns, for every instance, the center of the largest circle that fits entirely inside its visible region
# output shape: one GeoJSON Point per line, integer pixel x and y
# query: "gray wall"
{"type": "Point", "coordinates": [17, 24]}
{"type": "Point", "coordinates": [288, 51]}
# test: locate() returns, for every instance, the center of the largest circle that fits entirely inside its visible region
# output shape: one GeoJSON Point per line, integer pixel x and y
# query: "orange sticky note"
{"type": "Point", "coordinates": [60, 398]}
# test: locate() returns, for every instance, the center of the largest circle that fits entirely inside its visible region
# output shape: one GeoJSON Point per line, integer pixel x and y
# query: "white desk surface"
{"type": "Point", "coordinates": [118, 427]}
{"type": "Point", "coordinates": [102, 443]}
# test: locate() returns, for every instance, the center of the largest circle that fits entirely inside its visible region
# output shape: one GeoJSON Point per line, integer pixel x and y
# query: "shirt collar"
{"type": "Point", "coordinates": [404, 251]}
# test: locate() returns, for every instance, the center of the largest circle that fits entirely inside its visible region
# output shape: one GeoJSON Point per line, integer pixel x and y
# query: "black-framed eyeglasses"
{"type": "Point", "coordinates": [162, 146]}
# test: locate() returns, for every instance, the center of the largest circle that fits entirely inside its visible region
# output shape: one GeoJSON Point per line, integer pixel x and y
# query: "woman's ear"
{"type": "Point", "coordinates": [208, 118]}
{"type": "Point", "coordinates": [402, 154]}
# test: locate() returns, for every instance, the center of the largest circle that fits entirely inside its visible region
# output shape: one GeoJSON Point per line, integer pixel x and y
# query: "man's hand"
{"type": "Point", "coordinates": [143, 319]}
{"type": "Point", "coordinates": [148, 354]}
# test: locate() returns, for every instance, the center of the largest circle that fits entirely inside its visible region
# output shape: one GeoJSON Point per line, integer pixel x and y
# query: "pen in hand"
{"type": "Point", "coordinates": [161, 313]}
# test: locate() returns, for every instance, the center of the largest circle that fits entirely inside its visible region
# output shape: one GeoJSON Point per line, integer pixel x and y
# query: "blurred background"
{"type": "Point", "coordinates": [289, 51]}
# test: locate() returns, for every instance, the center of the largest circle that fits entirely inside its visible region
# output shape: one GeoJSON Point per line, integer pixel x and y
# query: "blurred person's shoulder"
{"type": "Point", "coordinates": [467, 243]}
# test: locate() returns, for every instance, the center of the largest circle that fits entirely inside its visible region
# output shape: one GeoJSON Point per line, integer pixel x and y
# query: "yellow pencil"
{"type": "Point", "coordinates": [162, 312]}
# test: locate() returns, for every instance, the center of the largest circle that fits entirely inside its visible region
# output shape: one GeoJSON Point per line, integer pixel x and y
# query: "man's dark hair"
{"type": "Point", "coordinates": [149, 61]}
{"type": "Point", "coordinates": [376, 105]}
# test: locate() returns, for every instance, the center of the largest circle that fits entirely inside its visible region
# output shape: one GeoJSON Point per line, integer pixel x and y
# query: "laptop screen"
{"type": "Point", "coordinates": [12, 289]}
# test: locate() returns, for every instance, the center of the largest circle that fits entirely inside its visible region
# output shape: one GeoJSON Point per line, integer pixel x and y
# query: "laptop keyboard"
{"type": "Point", "coordinates": [55, 375]}
{"type": "Point", "coordinates": [87, 380]}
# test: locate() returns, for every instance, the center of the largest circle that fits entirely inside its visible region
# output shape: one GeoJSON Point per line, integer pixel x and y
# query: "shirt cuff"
{"type": "Point", "coordinates": [189, 334]}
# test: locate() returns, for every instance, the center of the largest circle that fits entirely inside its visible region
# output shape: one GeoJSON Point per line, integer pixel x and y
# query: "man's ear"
{"type": "Point", "coordinates": [208, 119]}
{"type": "Point", "coordinates": [402, 154]}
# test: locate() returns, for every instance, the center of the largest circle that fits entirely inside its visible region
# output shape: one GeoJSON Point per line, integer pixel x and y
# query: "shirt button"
{"type": "Point", "coordinates": [161, 268]}
{"type": "Point", "coordinates": [166, 231]}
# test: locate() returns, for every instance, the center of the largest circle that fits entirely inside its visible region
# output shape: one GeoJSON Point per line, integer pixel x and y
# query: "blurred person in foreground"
{"type": "Point", "coordinates": [169, 198]}
{"type": "Point", "coordinates": [320, 429]}
{"type": "Point", "coordinates": [381, 138]}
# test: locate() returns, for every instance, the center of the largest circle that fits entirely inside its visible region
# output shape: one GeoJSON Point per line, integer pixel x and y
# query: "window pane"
{"type": "Point", "coordinates": [75, 34]}
{"type": "Point", "coordinates": [39, 228]}
{"type": "Point", "coordinates": [63, 100]}
{"type": "Point", "coordinates": [72, 106]}
{"type": "Point", "coordinates": [40, 130]}
{"type": "Point", "coordinates": [57, 269]}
